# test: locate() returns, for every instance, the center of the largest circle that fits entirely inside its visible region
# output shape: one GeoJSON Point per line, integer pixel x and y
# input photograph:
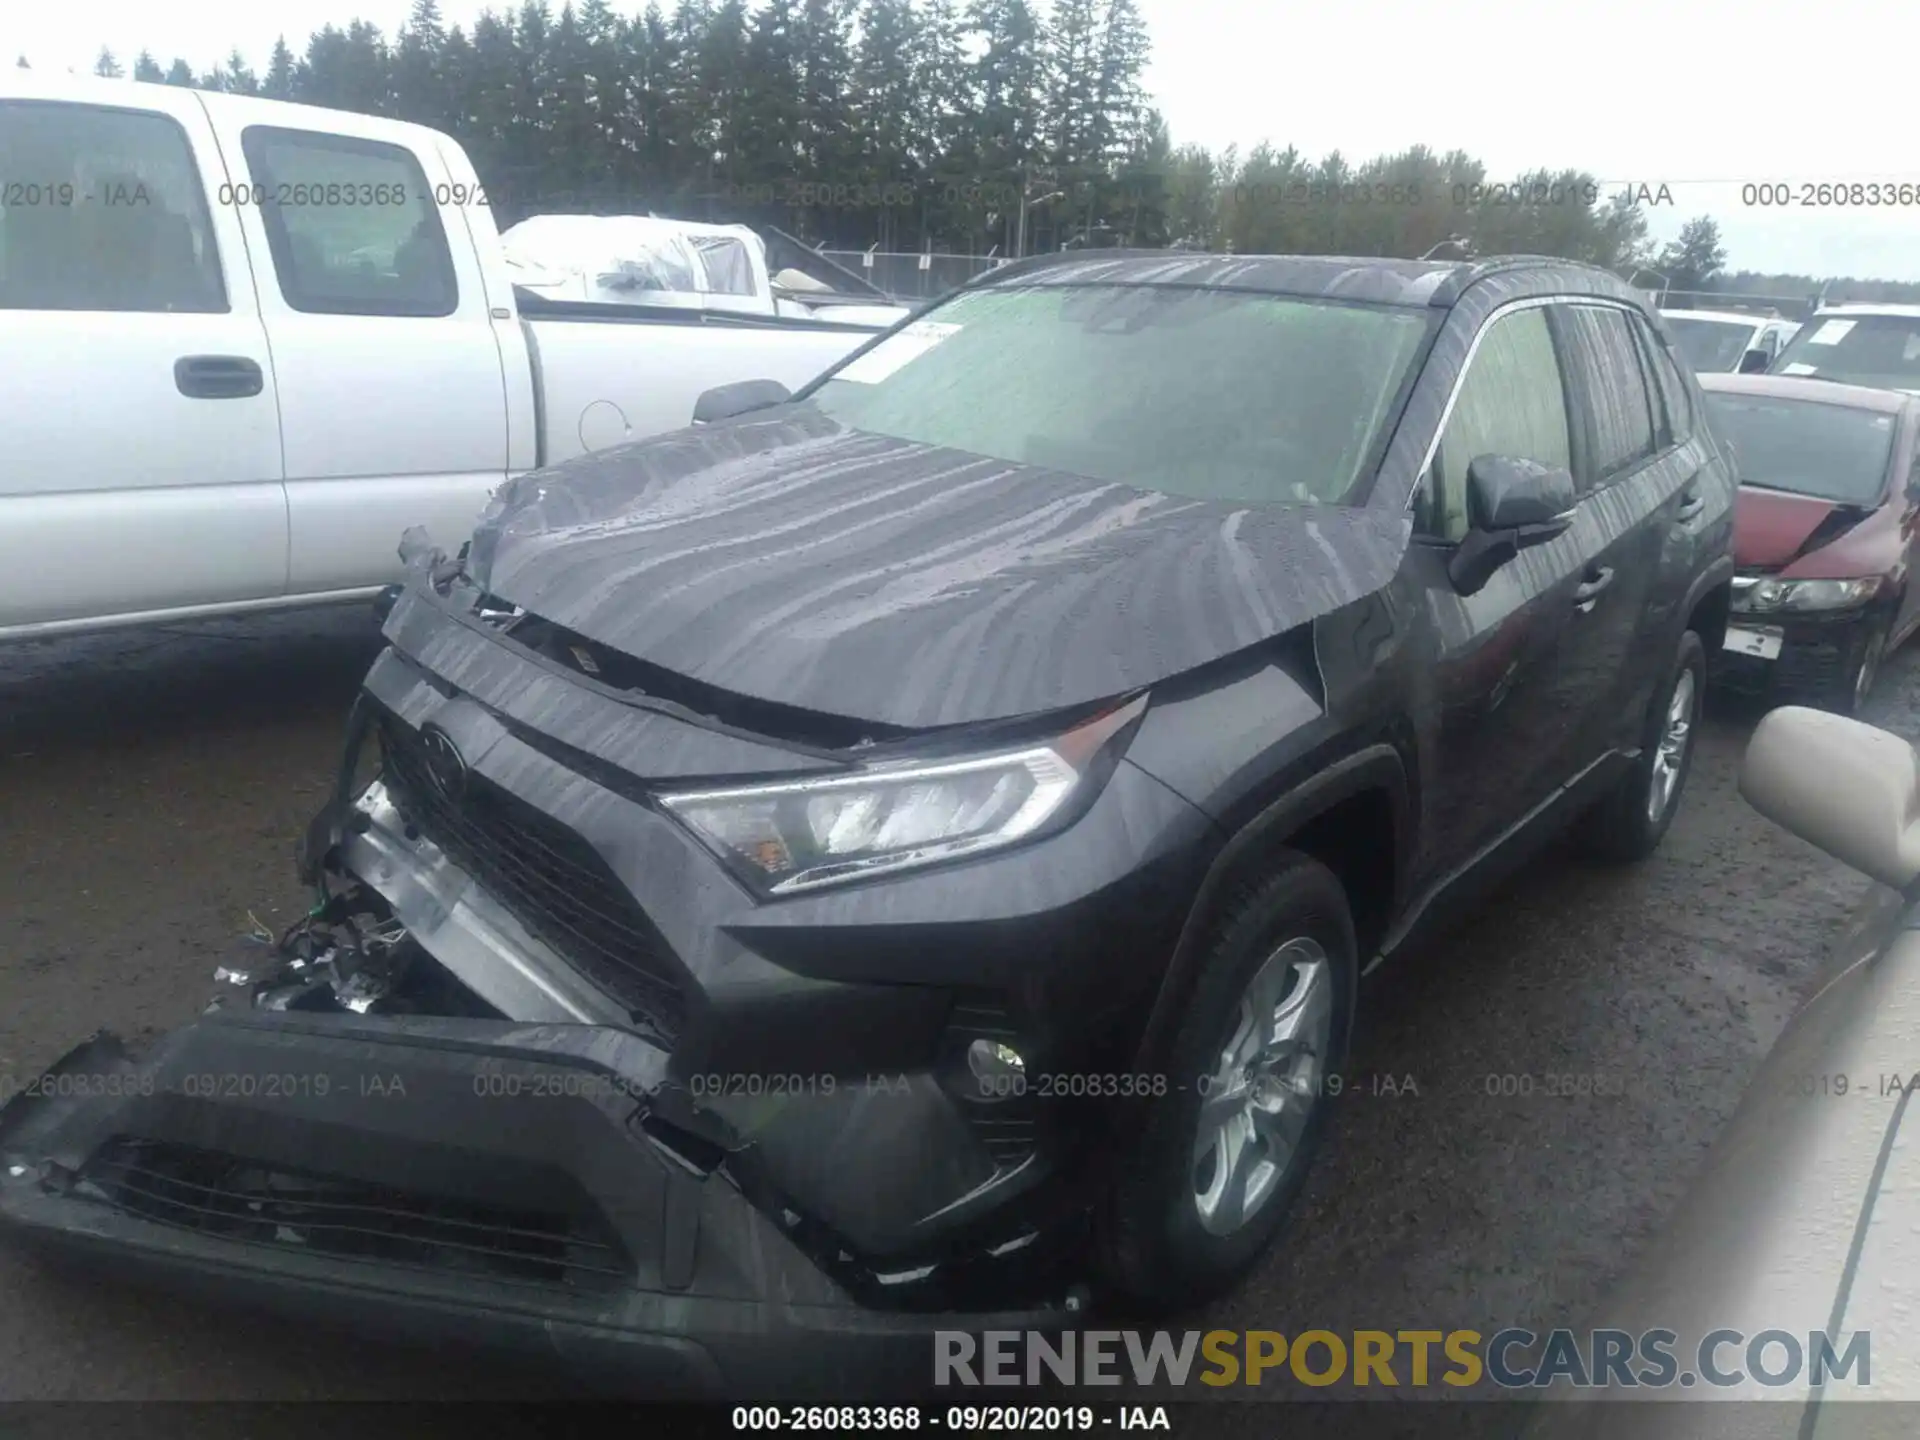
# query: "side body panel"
{"type": "Point", "coordinates": [121, 493]}
{"type": "Point", "coordinates": [392, 414]}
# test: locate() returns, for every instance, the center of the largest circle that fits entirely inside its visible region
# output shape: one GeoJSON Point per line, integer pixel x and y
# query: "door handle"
{"type": "Point", "coordinates": [1597, 580]}
{"type": "Point", "coordinates": [218, 377]}
{"type": "Point", "coordinates": [1691, 504]}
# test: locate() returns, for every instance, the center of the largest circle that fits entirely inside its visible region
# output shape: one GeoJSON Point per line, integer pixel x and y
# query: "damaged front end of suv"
{"type": "Point", "coordinates": [807, 881]}
{"type": "Point", "coordinates": [481, 1091]}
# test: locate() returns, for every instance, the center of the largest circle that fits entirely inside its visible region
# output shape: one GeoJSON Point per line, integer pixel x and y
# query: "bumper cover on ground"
{"type": "Point", "coordinates": [484, 1181]}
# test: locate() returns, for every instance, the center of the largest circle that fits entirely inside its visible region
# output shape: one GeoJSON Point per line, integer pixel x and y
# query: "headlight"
{"type": "Point", "coordinates": [800, 834]}
{"type": "Point", "coordinates": [1766, 595]}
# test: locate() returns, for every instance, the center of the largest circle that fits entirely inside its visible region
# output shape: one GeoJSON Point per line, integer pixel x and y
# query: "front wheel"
{"type": "Point", "coordinates": [1848, 695]}
{"type": "Point", "coordinates": [1629, 823]}
{"type": "Point", "coordinates": [1213, 1169]}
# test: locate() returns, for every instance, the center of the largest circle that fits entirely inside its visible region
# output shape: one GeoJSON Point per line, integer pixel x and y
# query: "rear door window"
{"type": "Point", "coordinates": [102, 209]}
{"type": "Point", "coordinates": [352, 224]}
{"type": "Point", "coordinates": [1673, 407]}
{"type": "Point", "coordinates": [1610, 387]}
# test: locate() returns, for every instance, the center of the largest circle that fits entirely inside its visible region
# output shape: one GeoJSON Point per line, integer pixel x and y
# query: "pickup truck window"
{"type": "Point", "coordinates": [1512, 402]}
{"type": "Point", "coordinates": [352, 224]}
{"type": "Point", "coordinates": [1209, 394]}
{"type": "Point", "coordinates": [102, 209]}
{"type": "Point", "coordinates": [1611, 386]}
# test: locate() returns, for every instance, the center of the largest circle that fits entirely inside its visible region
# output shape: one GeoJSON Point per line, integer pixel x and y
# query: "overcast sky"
{"type": "Point", "coordinates": [1740, 92]}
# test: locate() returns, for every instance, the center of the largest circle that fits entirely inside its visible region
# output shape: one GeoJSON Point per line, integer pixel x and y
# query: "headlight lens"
{"type": "Point", "coordinates": [802, 834]}
{"type": "Point", "coordinates": [1768, 595]}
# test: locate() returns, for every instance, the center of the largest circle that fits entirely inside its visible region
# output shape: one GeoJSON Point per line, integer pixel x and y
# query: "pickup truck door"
{"type": "Point", "coordinates": [393, 401]}
{"type": "Point", "coordinates": [141, 470]}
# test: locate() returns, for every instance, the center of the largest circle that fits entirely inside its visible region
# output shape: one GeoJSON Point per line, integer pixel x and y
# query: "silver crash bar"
{"type": "Point", "coordinates": [464, 928]}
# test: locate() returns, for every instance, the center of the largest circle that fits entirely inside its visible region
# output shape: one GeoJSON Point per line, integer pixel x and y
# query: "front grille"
{"type": "Point", "coordinates": [549, 878]}
{"type": "Point", "coordinates": [1813, 666]}
{"type": "Point", "coordinates": [237, 1199]}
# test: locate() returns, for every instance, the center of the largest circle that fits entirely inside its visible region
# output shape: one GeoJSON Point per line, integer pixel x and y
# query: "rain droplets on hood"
{"type": "Point", "coordinates": [785, 557]}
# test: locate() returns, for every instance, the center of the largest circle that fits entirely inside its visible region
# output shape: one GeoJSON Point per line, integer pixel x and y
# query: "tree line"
{"type": "Point", "coordinates": [962, 126]}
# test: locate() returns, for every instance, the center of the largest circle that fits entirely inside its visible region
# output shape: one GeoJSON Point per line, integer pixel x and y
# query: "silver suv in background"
{"type": "Point", "coordinates": [1726, 341]}
{"type": "Point", "coordinates": [1876, 345]}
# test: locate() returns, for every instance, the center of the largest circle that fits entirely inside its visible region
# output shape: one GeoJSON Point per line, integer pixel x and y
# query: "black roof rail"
{"type": "Point", "coordinates": [1046, 259]}
{"type": "Point", "coordinates": [1472, 272]}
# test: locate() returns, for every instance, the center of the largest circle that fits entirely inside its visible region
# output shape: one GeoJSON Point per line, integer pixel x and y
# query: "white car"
{"type": "Point", "coordinates": [1877, 345]}
{"type": "Point", "coordinates": [1726, 341]}
{"type": "Point", "coordinates": [245, 344]}
{"type": "Point", "coordinates": [681, 264]}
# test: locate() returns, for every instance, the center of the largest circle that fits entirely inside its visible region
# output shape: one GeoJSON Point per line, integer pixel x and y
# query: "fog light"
{"type": "Point", "coordinates": [997, 1066]}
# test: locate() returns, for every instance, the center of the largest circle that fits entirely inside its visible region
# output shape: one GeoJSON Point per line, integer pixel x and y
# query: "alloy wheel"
{"type": "Point", "coordinates": [1670, 751]}
{"type": "Point", "coordinates": [1869, 669]}
{"type": "Point", "coordinates": [1255, 1105]}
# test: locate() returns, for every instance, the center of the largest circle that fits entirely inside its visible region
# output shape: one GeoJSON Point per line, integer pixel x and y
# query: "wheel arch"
{"type": "Point", "coordinates": [1710, 605]}
{"type": "Point", "coordinates": [1353, 815]}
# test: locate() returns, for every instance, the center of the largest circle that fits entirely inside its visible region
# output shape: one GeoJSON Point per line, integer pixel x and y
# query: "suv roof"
{"type": "Point", "coordinates": [1352, 277]}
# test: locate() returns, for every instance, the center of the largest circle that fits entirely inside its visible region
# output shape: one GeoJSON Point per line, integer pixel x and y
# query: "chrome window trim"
{"type": "Point", "coordinates": [1494, 317]}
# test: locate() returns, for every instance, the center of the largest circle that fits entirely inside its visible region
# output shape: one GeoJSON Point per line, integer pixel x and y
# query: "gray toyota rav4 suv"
{"type": "Point", "coordinates": [903, 856]}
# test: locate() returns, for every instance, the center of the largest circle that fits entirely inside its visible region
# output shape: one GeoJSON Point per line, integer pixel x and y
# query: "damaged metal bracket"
{"type": "Point", "coordinates": [348, 953]}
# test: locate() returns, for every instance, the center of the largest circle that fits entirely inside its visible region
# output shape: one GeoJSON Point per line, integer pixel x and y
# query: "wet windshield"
{"type": "Point", "coordinates": [1212, 394]}
{"type": "Point", "coordinates": [1878, 350]}
{"type": "Point", "coordinates": [1806, 447]}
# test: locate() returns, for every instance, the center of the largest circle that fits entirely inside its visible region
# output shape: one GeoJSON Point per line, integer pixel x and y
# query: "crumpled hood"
{"type": "Point", "coordinates": [1770, 527]}
{"type": "Point", "coordinates": [787, 558]}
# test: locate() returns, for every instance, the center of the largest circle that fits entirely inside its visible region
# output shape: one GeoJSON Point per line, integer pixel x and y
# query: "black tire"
{"type": "Point", "coordinates": [1623, 827]}
{"type": "Point", "coordinates": [1153, 1250]}
{"type": "Point", "coordinates": [1864, 655]}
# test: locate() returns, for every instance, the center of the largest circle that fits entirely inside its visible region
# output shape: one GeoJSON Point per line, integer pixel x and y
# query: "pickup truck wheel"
{"type": "Point", "coordinates": [1629, 823]}
{"type": "Point", "coordinates": [1209, 1177]}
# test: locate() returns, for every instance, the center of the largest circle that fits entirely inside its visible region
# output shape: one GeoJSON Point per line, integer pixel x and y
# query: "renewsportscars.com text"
{"type": "Point", "coordinates": [1401, 1358]}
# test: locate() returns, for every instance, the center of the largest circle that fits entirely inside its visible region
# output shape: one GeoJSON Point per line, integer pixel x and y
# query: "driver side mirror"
{"type": "Point", "coordinates": [1512, 505]}
{"type": "Point", "coordinates": [1847, 787]}
{"type": "Point", "coordinates": [723, 402]}
{"type": "Point", "coordinates": [1755, 362]}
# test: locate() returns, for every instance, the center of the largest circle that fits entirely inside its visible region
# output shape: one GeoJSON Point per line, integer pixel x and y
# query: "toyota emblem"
{"type": "Point", "coordinates": [446, 766]}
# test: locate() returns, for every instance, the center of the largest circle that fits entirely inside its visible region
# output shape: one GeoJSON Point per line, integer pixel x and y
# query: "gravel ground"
{"type": "Point", "coordinates": [152, 784]}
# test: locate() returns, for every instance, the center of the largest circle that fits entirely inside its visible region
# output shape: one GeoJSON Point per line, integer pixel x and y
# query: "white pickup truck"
{"type": "Point", "coordinates": [244, 344]}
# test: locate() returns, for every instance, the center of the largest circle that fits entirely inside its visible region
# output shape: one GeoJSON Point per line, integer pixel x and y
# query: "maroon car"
{"type": "Point", "coordinates": [1823, 533]}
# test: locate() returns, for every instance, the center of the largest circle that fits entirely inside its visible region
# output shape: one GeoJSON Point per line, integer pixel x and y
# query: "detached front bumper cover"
{"type": "Point", "coordinates": [486, 1181]}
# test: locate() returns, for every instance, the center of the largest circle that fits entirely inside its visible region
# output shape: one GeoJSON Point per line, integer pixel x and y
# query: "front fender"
{"type": "Point", "coordinates": [1376, 767]}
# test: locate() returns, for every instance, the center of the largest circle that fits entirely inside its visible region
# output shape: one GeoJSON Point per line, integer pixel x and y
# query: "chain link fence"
{"type": "Point", "coordinates": [910, 276]}
{"type": "Point", "coordinates": [1787, 307]}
